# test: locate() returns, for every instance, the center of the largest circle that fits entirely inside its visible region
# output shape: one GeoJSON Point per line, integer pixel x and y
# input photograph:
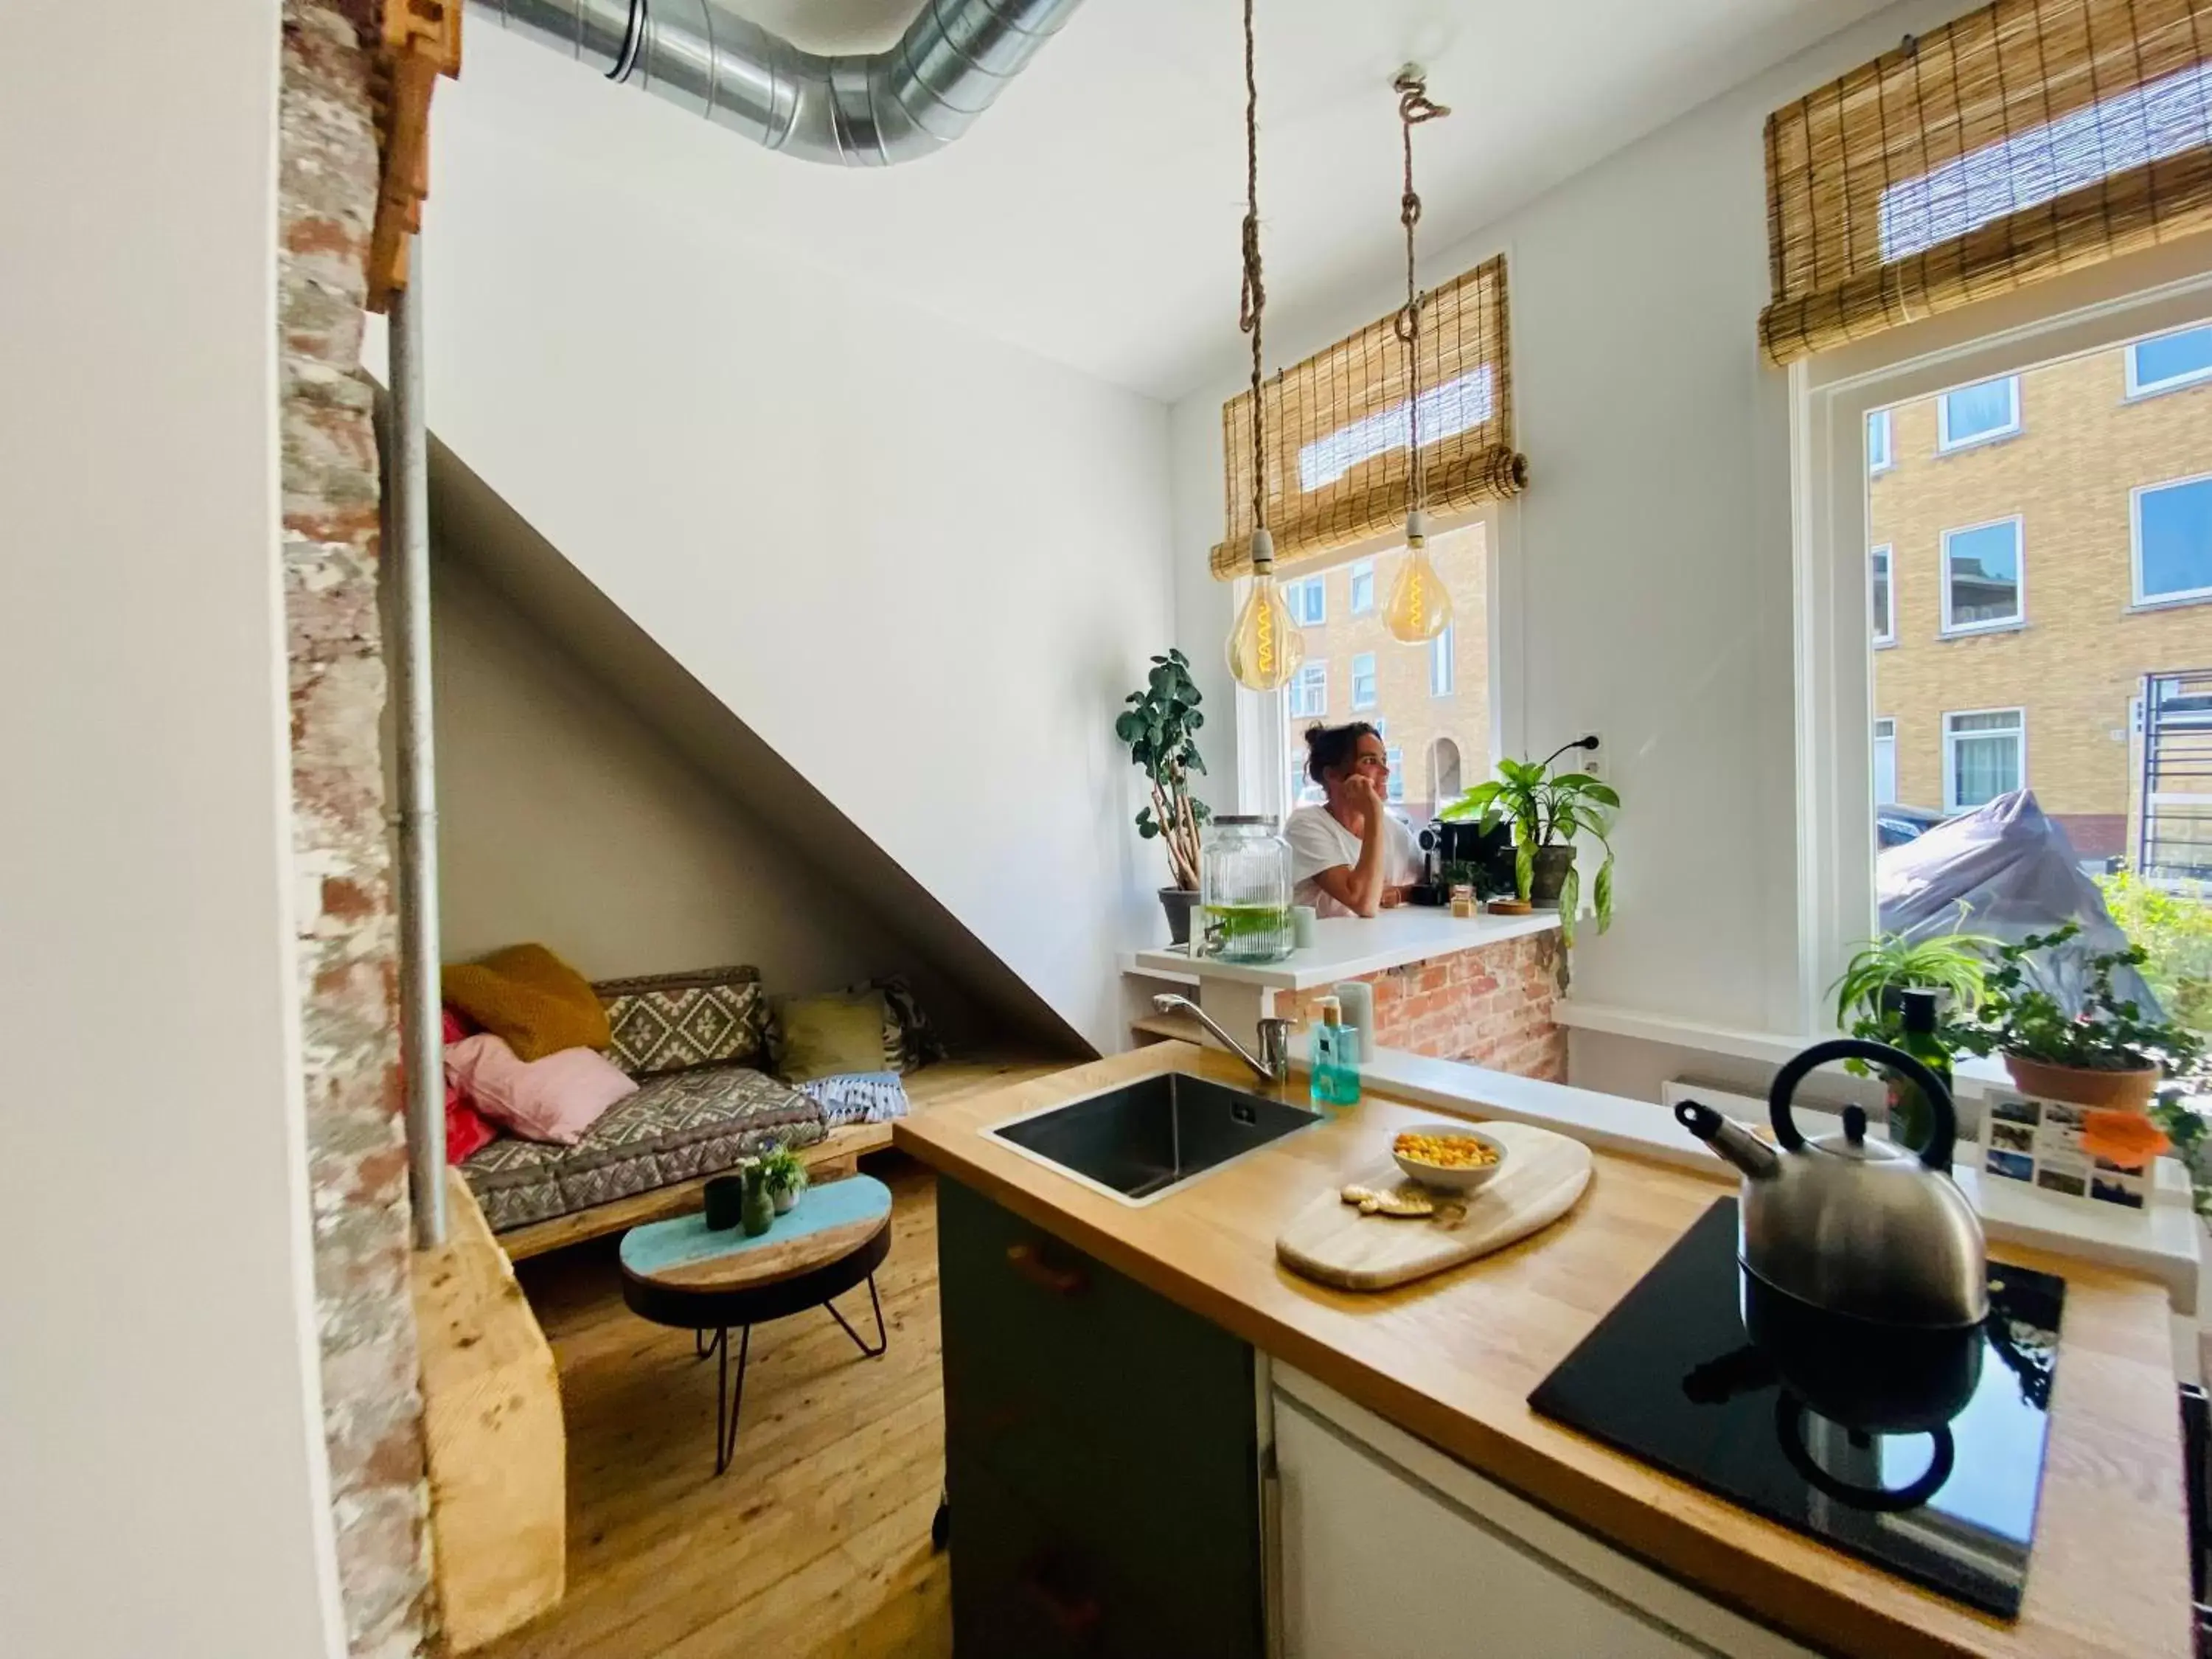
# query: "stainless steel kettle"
{"type": "Point", "coordinates": [1853, 1226]}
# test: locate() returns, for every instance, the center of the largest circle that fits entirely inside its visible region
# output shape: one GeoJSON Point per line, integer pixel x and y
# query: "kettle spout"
{"type": "Point", "coordinates": [1730, 1138]}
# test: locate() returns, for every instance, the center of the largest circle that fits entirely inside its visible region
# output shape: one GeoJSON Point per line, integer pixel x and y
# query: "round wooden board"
{"type": "Point", "coordinates": [1331, 1241]}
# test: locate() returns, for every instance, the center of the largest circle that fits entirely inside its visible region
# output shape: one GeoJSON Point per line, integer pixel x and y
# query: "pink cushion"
{"type": "Point", "coordinates": [556, 1098]}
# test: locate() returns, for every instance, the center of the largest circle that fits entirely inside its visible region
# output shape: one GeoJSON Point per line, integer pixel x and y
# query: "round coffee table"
{"type": "Point", "coordinates": [685, 1274]}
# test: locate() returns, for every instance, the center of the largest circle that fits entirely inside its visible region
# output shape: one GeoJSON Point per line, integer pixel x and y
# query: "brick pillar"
{"type": "Point", "coordinates": [1491, 1005]}
{"type": "Point", "coordinates": [356, 1150]}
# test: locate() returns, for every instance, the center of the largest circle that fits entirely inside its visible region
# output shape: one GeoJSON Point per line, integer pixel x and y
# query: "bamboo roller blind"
{"type": "Point", "coordinates": [1337, 459]}
{"type": "Point", "coordinates": [2024, 139]}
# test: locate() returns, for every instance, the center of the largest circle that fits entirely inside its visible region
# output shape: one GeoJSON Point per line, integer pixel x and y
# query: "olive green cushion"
{"type": "Point", "coordinates": [831, 1036]}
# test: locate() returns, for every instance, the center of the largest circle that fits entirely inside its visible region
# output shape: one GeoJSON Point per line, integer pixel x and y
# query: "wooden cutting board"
{"type": "Point", "coordinates": [1329, 1240]}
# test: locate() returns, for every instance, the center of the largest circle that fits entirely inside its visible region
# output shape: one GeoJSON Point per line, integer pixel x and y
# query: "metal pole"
{"type": "Point", "coordinates": [421, 1031]}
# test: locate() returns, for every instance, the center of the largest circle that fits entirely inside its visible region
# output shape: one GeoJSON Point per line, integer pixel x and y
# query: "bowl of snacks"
{"type": "Point", "coordinates": [1453, 1156]}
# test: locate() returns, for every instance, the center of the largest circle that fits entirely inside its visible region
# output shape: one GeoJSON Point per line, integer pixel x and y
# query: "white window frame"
{"type": "Point", "coordinates": [1880, 418]}
{"type": "Point", "coordinates": [1318, 667]}
{"type": "Point", "coordinates": [1397, 756]}
{"type": "Point", "coordinates": [1878, 738]}
{"type": "Point", "coordinates": [1298, 586]}
{"type": "Point", "coordinates": [2102, 307]}
{"type": "Point", "coordinates": [1442, 666]}
{"type": "Point", "coordinates": [1358, 571]}
{"type": "Point", "coordinates": [1374, 681]}
{"type": "Point", "coordinates": [2153, 601]}
{"type": "Point", "coordinates": [1997, 625]}
{"type": "Point", "coordinates": [1886, 555]}
{"type": "Point", "coordinates": [2019, 712]}
{"type": "Point", "coordinates": [1947, 445]}
{"type": "Point", "coordinates": [2139, 387]}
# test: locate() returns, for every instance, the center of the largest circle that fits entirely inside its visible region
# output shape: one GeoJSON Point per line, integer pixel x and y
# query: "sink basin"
{"type": "Point", "coordinates": [1140, 1141]}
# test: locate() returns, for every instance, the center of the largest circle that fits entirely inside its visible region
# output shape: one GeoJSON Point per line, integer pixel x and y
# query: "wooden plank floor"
{"type": "Point", "coordinates": [817, 1542]}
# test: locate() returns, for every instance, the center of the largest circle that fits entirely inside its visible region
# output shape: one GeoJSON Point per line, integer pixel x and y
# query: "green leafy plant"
{"type": "Point", "coordinates": [1867, 1004]}
{"type": "Point", "coordinates": [779, 1170]}
{"type": "Point", "coordinates": [2174, 928]}
{"type": "Point", "coordinates": [1549, 809]}
{"type": "Point", "coordinates": [2192, 1144]}
{"type": "Point", "coordinates": [2044, 1002]}
{"type": "Point", "coordinates": [1157, 723]}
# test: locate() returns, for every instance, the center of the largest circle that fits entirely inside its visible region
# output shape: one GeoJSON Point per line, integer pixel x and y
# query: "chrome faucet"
{"type": "Point", "coordinates": [1273, 1064]}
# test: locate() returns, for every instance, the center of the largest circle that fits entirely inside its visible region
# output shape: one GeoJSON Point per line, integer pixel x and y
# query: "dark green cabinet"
{"type": "Point", "coordinates": [1102, 1453]}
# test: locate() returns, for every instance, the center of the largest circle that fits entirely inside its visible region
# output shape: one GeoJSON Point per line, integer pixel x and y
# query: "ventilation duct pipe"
{"type": "Point", "coordinates": [855, 110]}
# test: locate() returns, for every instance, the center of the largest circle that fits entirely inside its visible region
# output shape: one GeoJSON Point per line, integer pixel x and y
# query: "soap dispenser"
{"type": "Point", "coordinates": [1334, 1069]}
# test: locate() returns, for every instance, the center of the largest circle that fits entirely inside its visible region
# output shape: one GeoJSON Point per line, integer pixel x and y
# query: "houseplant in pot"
{"type": "Point", "coordinates": [1870, 1004]}
{"type": "Point", "coordinates": [1547, 810]}
{"type": "Point", "coordinates": [2065, 1034]}
{"type": "Point", "coordinates": [1159, 723]}
{"type": "Point", "coordinates": [784, 1176]}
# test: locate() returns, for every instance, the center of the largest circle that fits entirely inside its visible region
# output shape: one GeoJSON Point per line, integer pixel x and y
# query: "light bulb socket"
{"type": "Point", "coordinates": [1263, 550]}
{"type": "Point", "coordinates": [1416, 527]}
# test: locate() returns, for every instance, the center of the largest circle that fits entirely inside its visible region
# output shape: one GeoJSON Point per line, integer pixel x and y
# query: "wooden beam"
{"type": "Point", "coordinates": [422, 41]}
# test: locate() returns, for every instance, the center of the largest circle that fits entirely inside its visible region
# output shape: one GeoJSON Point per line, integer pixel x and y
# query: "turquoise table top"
{"type": "Point", "coordinates": [662, 1246]}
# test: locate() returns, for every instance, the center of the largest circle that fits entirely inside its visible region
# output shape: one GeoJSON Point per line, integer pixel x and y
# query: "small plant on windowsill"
{"type": "Point", "coordinates": [1547, 810]}
{"type": "Point", "coordinates": [1870, 1004]}
{"type": "Point", "coordinates": [1159, 723]}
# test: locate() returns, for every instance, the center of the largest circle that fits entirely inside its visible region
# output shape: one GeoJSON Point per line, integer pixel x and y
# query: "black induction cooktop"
{"type": "Point", "coordinates": [1670, 1377]}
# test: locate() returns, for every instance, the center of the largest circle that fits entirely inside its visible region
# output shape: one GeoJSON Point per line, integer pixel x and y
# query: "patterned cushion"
{"type": "Point", "coordinates": [679, 1022]}
{"type": "Point", "coordinates": [909, 1039]}
{"type": "Point", "coordinates": [676, 1128]}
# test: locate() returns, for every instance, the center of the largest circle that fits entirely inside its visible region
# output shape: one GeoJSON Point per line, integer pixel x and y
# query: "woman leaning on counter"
{"type": "Point", "coordinates": [1349, 857]}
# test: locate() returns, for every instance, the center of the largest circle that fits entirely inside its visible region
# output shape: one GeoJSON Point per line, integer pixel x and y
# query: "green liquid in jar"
{"type": "Point", "coordinates": [1247, 932]}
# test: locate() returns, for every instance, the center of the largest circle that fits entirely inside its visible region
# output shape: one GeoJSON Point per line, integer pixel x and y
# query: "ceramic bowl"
{"type": "Point", "coordinates": [1457, 1181]}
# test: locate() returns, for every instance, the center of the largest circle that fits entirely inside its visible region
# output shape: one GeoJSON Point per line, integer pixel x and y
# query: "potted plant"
{"type": "Point", "coordinates": [2065, 1034]}
{"type": "Point", "coordinates": [1870, 1004]}
{"type": "Point", "coordinates": [1158, 724]}
{"type": "Point", "coordinates": [1547, 810]}
{"type": "Point", "coordinates": [784, 1176]}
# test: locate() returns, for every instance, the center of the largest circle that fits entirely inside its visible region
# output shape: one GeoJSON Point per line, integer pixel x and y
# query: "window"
{"type": "Point", "coordinates": [1309, 691]}
{"type": "Point", "coordinates": [1879, 601]}
{"type": "Point", "coordinates": [1878, 457]}
{"type": "Point", "coordinates": [1362, 680]}
{"type": "Point", "coordinates": [1363, 586]}
{"type": "Point", "coordinates": [1308, 599]}
{"type": "Point", "coordinates": [1440, 664]}
{"type": "Point", "coordinates": [2173, 540]}
{"type": "Point", "coordinates": [1884, 761]}
{"type": "Point", "coordinates": [1976, 414]}
{"type": "Point", "coordinates": [2166, 360]}
{"type": "Point", "coordinates": [1982, 577]}
{"type": "Point", "coordinates": [1397, 759]}
{"type": "Point", "coordinates": [1982, 757]}
{"type": "Point", "coordinates": [1303, 791]}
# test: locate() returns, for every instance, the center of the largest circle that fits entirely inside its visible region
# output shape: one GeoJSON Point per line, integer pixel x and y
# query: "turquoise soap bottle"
{"type": "Point", "coordinates": [1333, 1070]}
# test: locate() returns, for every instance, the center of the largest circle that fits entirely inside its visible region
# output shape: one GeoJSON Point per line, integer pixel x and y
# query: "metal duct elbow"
{"type": "Point", "coordinates": [873, 109]}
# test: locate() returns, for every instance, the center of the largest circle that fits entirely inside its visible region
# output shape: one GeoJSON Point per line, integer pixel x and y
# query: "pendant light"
{"type": "Point", "coordinates": [1420, 606]}
{"type": "Point", "coordinates": [1267, 644]}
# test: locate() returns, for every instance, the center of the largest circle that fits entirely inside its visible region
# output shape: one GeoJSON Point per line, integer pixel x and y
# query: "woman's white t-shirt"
{"type": "Point", "coordinates": [1319, 843]}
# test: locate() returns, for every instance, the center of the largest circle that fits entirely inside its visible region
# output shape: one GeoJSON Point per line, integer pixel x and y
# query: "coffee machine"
{"type": "Point", "coordinates": [1488, 849]}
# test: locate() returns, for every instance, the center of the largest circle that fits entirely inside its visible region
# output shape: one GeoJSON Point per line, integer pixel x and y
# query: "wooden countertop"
{"type": "Point", "coordinates": [1454, 1358]}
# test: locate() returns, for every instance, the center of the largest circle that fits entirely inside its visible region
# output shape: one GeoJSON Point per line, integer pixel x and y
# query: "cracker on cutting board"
{"type": "Point", "coordinates": [1404, 1201]}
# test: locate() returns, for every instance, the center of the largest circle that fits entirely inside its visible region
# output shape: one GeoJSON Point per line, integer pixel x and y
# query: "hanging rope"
{"type": "Point", "coordinates": [1414, 107]}
{"type": "Point", "coordinates": [1253, 300]}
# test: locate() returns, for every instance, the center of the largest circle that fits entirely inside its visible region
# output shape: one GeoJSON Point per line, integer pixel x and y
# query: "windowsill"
{"type": "Point", "coordinates": [1889, 644]}
{"type": "Point", "coordinates": [1876, 471]}
{"type": "Point", "coordinates": [1981, 442]}
{"type": "Point", "coordinates": [2178, 601]}
{"type": "Point", "coordinates": [1980, 629]}
{"type": "Point", "coordinates": [2144, 394]}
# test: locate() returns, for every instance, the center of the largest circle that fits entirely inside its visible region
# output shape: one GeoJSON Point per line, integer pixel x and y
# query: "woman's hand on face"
{"type": "Point", "coordinates": [1360, 791]}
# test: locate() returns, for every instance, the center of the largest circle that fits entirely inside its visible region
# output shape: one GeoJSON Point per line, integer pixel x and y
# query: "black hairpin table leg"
{"type": "Point", "coordinates": [726, 1403]}
{"type": "Point", "coordinates": [883, 1337]}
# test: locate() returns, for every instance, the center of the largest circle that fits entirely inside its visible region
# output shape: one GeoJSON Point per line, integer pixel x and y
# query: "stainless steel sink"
{"type": "Point", "coordinates": [1140, 1141]}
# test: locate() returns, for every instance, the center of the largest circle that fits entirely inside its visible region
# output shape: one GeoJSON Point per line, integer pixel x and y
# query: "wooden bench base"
{"type": "Point", "coordinates": [945, 1083]}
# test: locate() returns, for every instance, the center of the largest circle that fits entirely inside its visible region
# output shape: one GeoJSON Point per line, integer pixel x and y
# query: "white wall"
{"type": "Point", "coordinates": [1654, 542]}
{"type": "Point", "coordinates": [162, 1473]}
{"type": "Point", "coordinates": [563, 818]}
{"type": "Point", "coordinates": [923, 567]}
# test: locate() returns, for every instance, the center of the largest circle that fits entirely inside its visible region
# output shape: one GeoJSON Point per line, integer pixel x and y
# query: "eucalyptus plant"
{"type": "Point", "coordinates": [1549, 809]}
{"type": "Point", "coordinates": [1157, 723]}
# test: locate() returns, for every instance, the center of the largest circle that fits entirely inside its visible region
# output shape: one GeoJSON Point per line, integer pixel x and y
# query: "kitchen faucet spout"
{"type": "Point", "coordinates": [1271, 1065]}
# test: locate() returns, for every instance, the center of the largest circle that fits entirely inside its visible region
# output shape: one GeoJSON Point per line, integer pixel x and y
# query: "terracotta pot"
{"type": "Point", "coordinates": [1178, 902]}
{"type": "Point", "coordinates": [1549, 876]}
{"type": "Point", "coordinates": [2082, 1085]}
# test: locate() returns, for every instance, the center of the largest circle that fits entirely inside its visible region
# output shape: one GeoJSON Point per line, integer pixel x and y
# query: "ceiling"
{"type": "Point", "coordinates": [1091, 215]}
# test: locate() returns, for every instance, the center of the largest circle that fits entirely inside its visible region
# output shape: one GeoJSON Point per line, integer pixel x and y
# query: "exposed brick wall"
{"type": "Point", "coordinates": [356, 1152]}
{"type": "Point", "coordinates": [1490, 1006]}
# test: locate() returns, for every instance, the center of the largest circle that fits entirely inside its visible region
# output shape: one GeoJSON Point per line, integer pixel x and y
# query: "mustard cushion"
{"type": "Point", "coordinates": [531, 997]}
{"type": "Point", "coordinates": [831, 1035]}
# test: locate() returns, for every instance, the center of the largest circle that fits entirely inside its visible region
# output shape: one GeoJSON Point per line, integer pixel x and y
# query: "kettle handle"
{"type": "Point", "coordinates": [1935, 1155]}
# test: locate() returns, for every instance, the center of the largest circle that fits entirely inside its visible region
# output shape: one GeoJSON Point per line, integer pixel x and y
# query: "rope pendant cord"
{"type": "Point", "coordinates": [1253, 301]}
{"type": "Point", "coordinates": [1415, 107]}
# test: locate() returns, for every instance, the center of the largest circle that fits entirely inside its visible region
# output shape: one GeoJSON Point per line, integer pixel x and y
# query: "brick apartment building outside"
{"type": "Point", "coordinates": [2051, 619]}
{"type": "Point", "coordinates": [1432, 702]}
